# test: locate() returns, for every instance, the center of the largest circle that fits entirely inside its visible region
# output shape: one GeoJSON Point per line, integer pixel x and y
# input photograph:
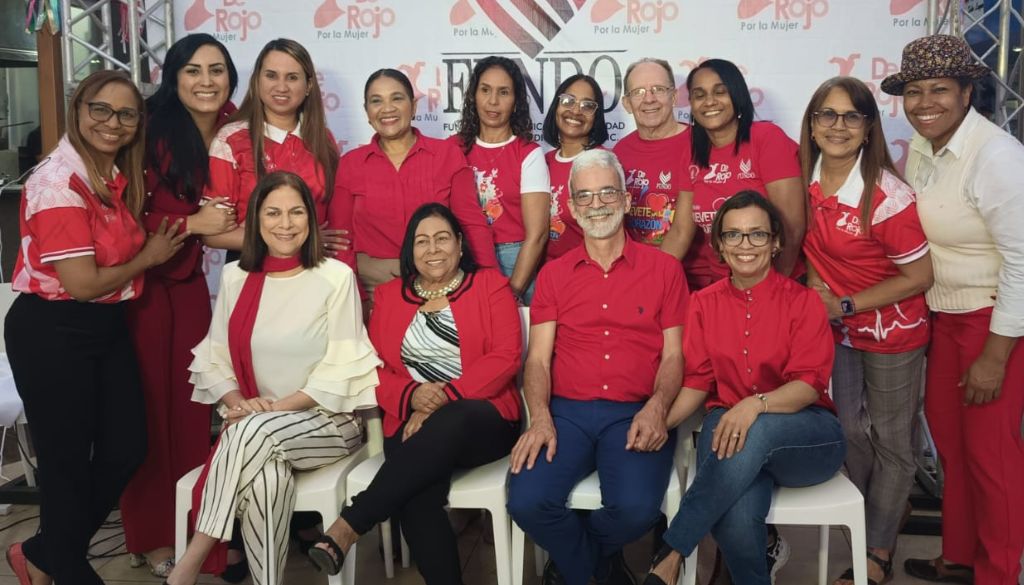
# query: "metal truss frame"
{"type": "Point", "coordinates": [963, 17]}
{"type": "Point", "coordinates": [150, 32]}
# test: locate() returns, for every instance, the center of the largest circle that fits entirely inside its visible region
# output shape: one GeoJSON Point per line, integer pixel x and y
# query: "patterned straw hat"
{"type": "Point", "coordinates": [932, 57]}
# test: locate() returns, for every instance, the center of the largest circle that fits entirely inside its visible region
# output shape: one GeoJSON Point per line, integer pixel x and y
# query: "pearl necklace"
{"type": "Point", "coordinates": [441, 292]}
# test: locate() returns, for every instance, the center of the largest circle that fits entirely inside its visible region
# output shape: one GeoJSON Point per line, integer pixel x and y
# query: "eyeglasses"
{"type": "Point", "coordinates": [827, 118]}
{"type": "Point", "coordinates": [607, 196]}
{"type": "Point", "coordinates": [756, 238]}
{"type": "Point", "coordinates": [658, 91]}
{"type": "Point", "coordinates": [568, 102]}
{"type": "Point", "coordinates": [101, 112]}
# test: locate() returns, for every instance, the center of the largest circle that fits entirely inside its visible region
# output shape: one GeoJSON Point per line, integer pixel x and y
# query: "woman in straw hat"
{"type": "Point", "coordinates": [967, 173]}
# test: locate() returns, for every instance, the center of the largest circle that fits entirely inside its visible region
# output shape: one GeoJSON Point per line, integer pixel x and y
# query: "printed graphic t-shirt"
{"type": "Point", "coordinates": [656, 172]}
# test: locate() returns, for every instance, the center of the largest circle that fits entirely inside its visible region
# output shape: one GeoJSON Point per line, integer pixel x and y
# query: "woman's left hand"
{"type": "Point", "coordinates": [244, 408]}
{"type": "Point", "coordinates": [334, 240]}
{"type": "Point", "coordinates": [731, 433]}
{"type": "Point", "coordinates": [984, 380]}
{"type": "Point", "coordinates": [414, 424]}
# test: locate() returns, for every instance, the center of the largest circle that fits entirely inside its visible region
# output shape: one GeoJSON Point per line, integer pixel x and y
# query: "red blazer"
{"type": "Point", "coordinates": [490, 340]}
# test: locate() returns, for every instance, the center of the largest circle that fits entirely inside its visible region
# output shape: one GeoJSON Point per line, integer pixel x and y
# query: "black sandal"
{"type": "Point", "coordinates": [661, 555]}
{"type": "Point", "coordinates": [324, 560]}
{"type": "Point", "coordinates": [886, 567]}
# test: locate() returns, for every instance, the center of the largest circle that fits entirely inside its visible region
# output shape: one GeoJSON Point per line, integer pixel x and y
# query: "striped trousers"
{"type": "Point", "coordinates": [252, 477]}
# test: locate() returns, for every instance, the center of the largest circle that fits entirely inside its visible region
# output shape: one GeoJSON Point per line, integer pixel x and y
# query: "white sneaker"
{"type": "Point", "coordinates": [778, 555]}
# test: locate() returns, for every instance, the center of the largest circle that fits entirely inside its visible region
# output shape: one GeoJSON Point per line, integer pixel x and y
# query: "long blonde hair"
{"type": "Point", "coordinates": [314, 131]}
{"type": "Point", "coordinates": [129, 158]}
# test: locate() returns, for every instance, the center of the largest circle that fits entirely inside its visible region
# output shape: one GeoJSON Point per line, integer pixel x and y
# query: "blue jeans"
{"type": "Point", "coordinates": [507, 255]}
{"type": "Point", "coordinates": [730, 498]}
{"type": "Point", "coordinates": [591, 435]}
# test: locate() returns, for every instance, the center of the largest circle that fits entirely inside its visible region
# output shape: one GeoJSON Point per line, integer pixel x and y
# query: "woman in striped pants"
{"type": "Point", "coordinates": [288, 360]}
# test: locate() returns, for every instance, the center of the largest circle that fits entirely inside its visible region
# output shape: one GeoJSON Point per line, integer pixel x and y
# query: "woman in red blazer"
{"type": "Point", "coordinates": [451, 342]}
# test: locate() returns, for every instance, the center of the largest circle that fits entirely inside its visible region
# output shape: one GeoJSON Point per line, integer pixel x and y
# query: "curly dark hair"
{"type": "Point", "coordinates": [469, 122]}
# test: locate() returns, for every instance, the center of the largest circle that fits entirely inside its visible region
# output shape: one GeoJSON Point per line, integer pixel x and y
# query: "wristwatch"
{"type": "Point", "coordinates": [847, 307]}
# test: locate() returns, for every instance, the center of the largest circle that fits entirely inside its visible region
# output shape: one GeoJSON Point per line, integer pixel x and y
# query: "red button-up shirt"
{"type": "Point", "coordinates": [377, 200]}
{"type": "Point", "coordinates": [609, 325]}
{"type": "Point", "coordinates": [741, 342]}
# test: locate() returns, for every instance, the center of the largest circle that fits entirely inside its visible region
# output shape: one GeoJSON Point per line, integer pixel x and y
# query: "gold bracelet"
{"type": "Point", "coordinates": [764, 400]}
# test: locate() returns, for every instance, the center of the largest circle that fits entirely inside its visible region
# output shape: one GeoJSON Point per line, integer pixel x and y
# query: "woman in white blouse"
{"type": "Point", "coordinates": [288, 360]}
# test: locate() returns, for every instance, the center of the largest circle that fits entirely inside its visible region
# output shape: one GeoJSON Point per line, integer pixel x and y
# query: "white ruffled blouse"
{"type": "Point", "coordinates": [308, 336]}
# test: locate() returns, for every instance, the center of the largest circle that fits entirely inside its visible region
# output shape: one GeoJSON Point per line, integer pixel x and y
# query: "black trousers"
{"type": "Point", "coordinates": [76, 372]}
{"type": "Point", "coordinates": [413, 482]}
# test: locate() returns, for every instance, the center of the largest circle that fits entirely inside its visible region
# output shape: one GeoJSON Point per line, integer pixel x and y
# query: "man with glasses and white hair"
{"type": "Point", "coordinates": [656, 159]}
{"type": "Point", "coordinates": [604, 364]}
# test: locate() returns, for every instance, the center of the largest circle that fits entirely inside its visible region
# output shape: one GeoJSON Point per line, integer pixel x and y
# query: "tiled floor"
{"type": "Point", "coordinates": [476, 553]}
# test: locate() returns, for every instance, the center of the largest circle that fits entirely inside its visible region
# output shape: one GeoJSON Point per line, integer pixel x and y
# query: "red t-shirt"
{"type": "Point", "coordinates": [233, 166]}
{"type": "Point", "coordinates": [62, 217]}
{"type": "Point", "coordinates": [849, 261]}
{"type": "Point", "coordinates": [656, 172]}
{"type": "Point", "coordinates": [610, 325]}
{"type": "Point", "coordinates": [565, 233]}
{"type": "Point", "coordinates": [741, 342]}
{"type": "Point", "coordinates": [503, 173]}
{"type": "Point", "coordinates": [377, 200]}
{"type": "Point", "coordinates": [769, 156]}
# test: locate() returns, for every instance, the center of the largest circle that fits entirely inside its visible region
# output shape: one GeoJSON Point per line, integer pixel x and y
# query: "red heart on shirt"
{"type": "Point", "coordinates": [657, 202]}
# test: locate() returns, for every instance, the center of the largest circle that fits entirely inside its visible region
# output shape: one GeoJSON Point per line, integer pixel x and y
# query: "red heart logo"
{"type": "Point", "coordinates": [602, 10]}
{"type": "Point", "coordinates": [460, 13]}
{"type": "Point", "coordinates": [326, 13]}
{"type": "Point", "coordinates": [196, 15]}
{"type": "Point", "coordinates": [748, 8]}
{"type": "Point", "coordinates": [897, 7]}
{"type": "Point", "coordinates": [657, 202]}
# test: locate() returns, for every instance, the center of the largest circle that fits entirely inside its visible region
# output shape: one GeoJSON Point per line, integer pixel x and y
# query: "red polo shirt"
{"type": "Point", "coordinates": [62, 217]}
{"type": "Point", "coordinates": [565, 233]}
{"type": "Point", "coordinates": [377, 200]}
{"type": "Point", "coordinates": [233, 166]}
{"type": "Point", "coordinates": [740, 342]}
{"type": "Point", "coordinates": [610, 325]}
{"type": "Point", "coordinates": [849, 261]}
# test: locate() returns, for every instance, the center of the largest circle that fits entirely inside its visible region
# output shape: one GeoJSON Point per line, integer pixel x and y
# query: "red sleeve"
{"type": "Point", "coordinates": [62, 232]}
{"type": "Point", "coordinates": [685, 180]}
{"type": "Point", "coordinates": [223, 180]}
{"type": "Point", "coordinates": [151, 220]}
{"type": "Point", "coordinates": [466, 207]}
{"type": "Point", "coordinates": [339, 216]}
{"type": "Point", "coordinates": [677, 296]}
{"type": "Point", "coordinates": [811, 352]}
{"type": "Point", "coordinates": [394, 393]}
{"type": "Point", "coordinates": [777, 155]}
{"type": "Point", "coordinates": [698, 371]}
{"type": "Point", "coordinates": [543, 307]}
{"type": "Point", "coordinates": [490, 374]}
{"type": "Point", "coordinates": [900, 233]}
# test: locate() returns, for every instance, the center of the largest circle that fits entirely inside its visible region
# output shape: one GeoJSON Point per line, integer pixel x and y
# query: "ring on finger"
{"type": "Point", "coordinates": [735, 435]}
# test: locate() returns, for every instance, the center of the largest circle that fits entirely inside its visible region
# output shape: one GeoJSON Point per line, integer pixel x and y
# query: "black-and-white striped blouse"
{"type": "Point", "coordinates": [430, 348]}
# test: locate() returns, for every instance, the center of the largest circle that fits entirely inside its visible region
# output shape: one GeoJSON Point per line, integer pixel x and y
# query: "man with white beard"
{"type": "Point", "coordinates": [604, 364]}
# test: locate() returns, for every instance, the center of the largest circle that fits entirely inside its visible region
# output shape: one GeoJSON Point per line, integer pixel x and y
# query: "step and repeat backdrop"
{"type": "Point", "coordinates": [786, 48]}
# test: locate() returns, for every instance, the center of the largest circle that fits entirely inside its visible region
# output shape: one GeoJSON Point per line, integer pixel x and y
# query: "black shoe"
{"type": "Point", "coordinates": [328, 561]}
{"type": "Point", "coordinates": [618, 571]}
{"type": "Point", "coordinates": [663, 552]}
{"type": "Point", "coordinates": [551, 575]}
{"type": "Point", "coordinates": [237, 572]}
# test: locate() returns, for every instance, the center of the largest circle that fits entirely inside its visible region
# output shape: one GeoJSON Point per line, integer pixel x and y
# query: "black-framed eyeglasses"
{"type": "Point", "coordinates": [658, 91]}
{"type": "Point", "coordinates": [827, 118]}
{"type": "Point", "coordinates": [569, 101]}
{"type": "Point", "coordinates": [101, 112]}
{"type": "Point", "coordinates": [607, 196]}
{"type": "Point", "coordinates": [757, 238]}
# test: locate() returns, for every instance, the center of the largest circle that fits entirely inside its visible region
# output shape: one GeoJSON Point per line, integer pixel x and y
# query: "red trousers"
{"type": "Point", "coordinates": [981, 450]}
{"type": "Point", "coordinates": [166, 322]}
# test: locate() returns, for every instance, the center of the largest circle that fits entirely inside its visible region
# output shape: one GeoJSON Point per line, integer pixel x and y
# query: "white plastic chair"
{"type": "Point", "coordinates": [7, 296]}
{"type": "Point", "coordinates": [482, 487]}
{"type": "Point", "coordinates": [587, 496]}
{"type": "Point", "coordinates": [321, 490]}
{"type": "Point", "coordinates": [836, 501]}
